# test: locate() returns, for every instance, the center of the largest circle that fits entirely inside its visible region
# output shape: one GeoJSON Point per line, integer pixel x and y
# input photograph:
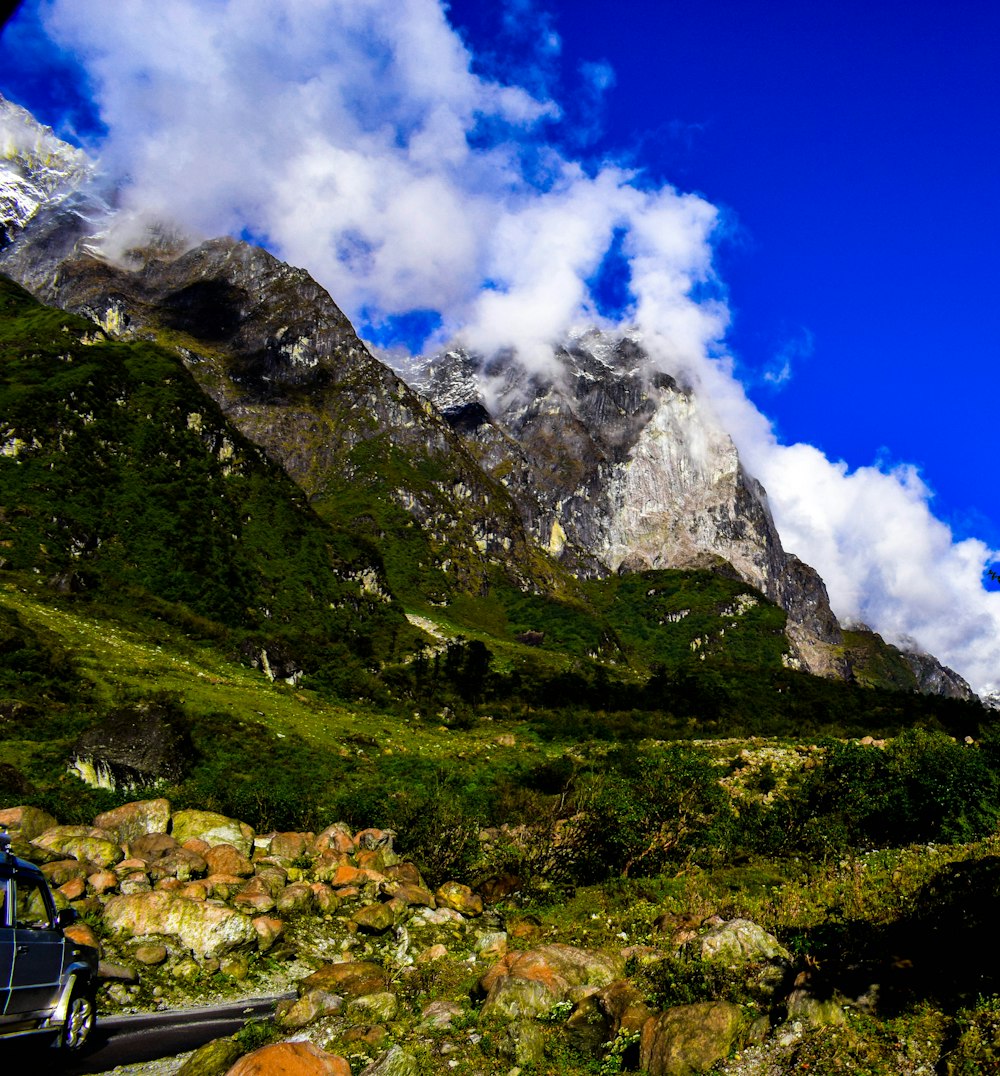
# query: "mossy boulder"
{"type": "Point", "coordinates": [84, 843]}
{"type": "Point", "coordinates": [215, 1058]}
{"type": "Point", "coordinates": [26, 822]}
{"type": "Point", "coordinates": [213, 829]}
{"type": "Point", "coordinates": [688, 1039]}
{"type": "Point", "coordinates": [134, 820]}
{"type": "Point", "coordinates": [208, 930]}
{"type": "Point", "coordinates": [353, 979]}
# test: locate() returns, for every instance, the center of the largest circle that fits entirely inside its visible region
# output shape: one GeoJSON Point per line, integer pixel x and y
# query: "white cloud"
{"type": "Point", "coordinates": [356, 136]}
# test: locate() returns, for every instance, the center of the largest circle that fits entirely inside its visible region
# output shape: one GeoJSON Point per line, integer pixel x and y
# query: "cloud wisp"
{"type": "Point", "coordinates": [358, 140]}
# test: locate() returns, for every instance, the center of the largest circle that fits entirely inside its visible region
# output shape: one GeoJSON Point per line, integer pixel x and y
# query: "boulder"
{"type": "Point", "coordinates": [150, 954]}
{"type": "Point", "coordinates": [64, 870]}
{"type": "Point", "coordinates": [561, 969]}
{"type": "Point", "coordinates": [255, 897]}
{"type": "Point", "coordinates": [689, 1039]}
{"type": "Point", "coordinates": [295, 899]}
{"type": "Point", "coordinates": [342, 874]}
{"type": "Point", "coordinates": [96, 846]}
{"type": "Point", "coordinates": [134, 820]}
{"type": "Point", "coordinates": [324, 898]}
{"type": "Point", "coordinates": [415, 895]}
{"type": "Point", "coordinates": [74, 889]}
{"type": "Point", "coordinates": [748, 949]}
{"type": "Point", "coordinates": [180, 863]}
{"type": "Point", "coordinates": [813, 1011]}
{"type": "Point", "coordinates": [273, 877]}
{"type": "Point", "coordinates": [26, 822]}
{"type": "Point", "coordinates": [235, 965]}
{"type": "Point", "coordinates": [215, 1058]}
{"type": "Point", "coordinates": [82, 934]}
{"type": "Point", "coordinates": [208, 930]}
{"type": "Point", "coordinates": [137, 882]}
{"type": "Point", "coordinates": [739, 942]}
{"type": "Point", "coordinates": [599, 1017]}
{"type": "Point", "coordinates": [269, 930]}
{"type": "Point", "coordinates": [134, 746]}
{"type": "Point", "coordinates": [521, 1042]}
{"type": "Point", "coordinates": [370, 840]}
{"type": "Point", "coordinates": [225, 859]}
{"type": "Point", "coordinates": [376, 918]}
{"type": "Point", "coordinates": [313, 1005]}
{"type": "Point", "coordinates": [103, 882]}
{"type": "Point", "coordinates": [459, 898]}
{"type": "Point", "coordinates": [405, 874]}
{"type": "Point", "coordinates": [324, 866]}
{"type": "Point", "coordinates": [378, 1008]}
{"type": "Point", "coordinates": [529, 983]}
{"type": "Point", "coordinates": [290, 1059]}
{"type": "Point", "coordinates": [335, 838]}
{"type": "Point", "coordinates": [213, 829]}
{"type": "Point", "coordinates": [350, 979]}
{"type": "Point", "coordinates": [224, 886]}
{"type": "Point", "coordinates": [288, 845]}
{"type": "Point", "coordinates": [517, 999]}
{"type": "Point", "coordinates": [152, 846]}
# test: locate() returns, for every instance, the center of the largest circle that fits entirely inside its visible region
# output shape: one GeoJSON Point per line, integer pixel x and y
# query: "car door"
{"type": "Point", "coordinates": [6, 944]}
{"type": "Point", "coordinates": [38, 949]}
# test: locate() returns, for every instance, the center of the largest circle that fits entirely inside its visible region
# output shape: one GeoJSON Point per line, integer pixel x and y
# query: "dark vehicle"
{"type": "Point", "coordinates": [47, 981]}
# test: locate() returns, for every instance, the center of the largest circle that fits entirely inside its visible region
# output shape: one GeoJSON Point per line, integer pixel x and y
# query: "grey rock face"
{"type": "Point", "coordinates": [617, 466]}
{"type": "Point", "coordinates": [273, 349]}
{"type": "Point", "coordinates": [38, 170]}
{"type": "Point", "coordinates": [933, 678]}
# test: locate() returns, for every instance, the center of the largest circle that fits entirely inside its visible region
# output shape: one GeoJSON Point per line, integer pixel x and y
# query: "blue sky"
{"type": "Point", "coordinates": [809, 189]}
{"type": "Point", "coordinates": [856, 150]}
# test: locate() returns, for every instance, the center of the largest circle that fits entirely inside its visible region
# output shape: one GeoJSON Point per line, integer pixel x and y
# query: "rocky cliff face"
{"type": "Point", "coordinates": [617, 466]}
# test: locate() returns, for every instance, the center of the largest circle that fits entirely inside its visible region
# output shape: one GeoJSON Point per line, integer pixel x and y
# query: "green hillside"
{"type": "Point", "coordinates": [122, 483]}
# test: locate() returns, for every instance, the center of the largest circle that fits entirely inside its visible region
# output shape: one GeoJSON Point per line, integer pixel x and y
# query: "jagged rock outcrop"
{"type": "Point", "coordinates": [933, 678]}
{"type": "Point", "coordinates": [618, 466]}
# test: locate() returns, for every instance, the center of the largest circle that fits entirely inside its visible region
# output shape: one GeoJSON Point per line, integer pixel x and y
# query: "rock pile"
{"type": "Point", "coordinates": [391, 978]}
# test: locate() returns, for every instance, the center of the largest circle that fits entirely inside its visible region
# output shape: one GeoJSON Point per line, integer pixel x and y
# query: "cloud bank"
{"type": "Point", "coordinates": [358, 138]}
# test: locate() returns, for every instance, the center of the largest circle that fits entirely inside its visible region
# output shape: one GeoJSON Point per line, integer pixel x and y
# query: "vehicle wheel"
{"type": "Point", "coordinates": [80, 1019]}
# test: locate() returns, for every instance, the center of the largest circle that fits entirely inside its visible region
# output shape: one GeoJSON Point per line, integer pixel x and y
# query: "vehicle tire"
{"type": "Point", "coordinates": [81, 1016]}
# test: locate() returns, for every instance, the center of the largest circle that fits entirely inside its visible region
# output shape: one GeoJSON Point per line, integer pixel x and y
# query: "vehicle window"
{"type": "Point", "coordinates": [30, 910]}
{"type": "Point", "coordinates": [3, 902]}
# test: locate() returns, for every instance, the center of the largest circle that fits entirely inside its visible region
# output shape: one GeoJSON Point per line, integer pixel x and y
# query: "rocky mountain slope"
{"type": "Point", "coordinates": [616, 466]}
{"type": "Point", "coordinates": [487, 473]}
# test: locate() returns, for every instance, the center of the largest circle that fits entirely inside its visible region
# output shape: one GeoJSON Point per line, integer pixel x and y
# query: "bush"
{"type": "Point", "coordinates": [646, 809]}
{"type": "Point", "coordinates": [922, 787]}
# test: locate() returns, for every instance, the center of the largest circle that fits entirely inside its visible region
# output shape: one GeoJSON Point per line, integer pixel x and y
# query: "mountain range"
{"type": "Point", "coordinates": [200, 422]}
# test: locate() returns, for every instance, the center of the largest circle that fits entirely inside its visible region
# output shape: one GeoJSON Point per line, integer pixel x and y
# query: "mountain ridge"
{"type": "Point", "coordinates": [609, 466]}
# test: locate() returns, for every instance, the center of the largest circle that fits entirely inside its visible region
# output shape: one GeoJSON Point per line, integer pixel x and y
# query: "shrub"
{"type": "Point", "coordinates": [923, 787]}
{"type": "Point", "coordinates": [646, 809]}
